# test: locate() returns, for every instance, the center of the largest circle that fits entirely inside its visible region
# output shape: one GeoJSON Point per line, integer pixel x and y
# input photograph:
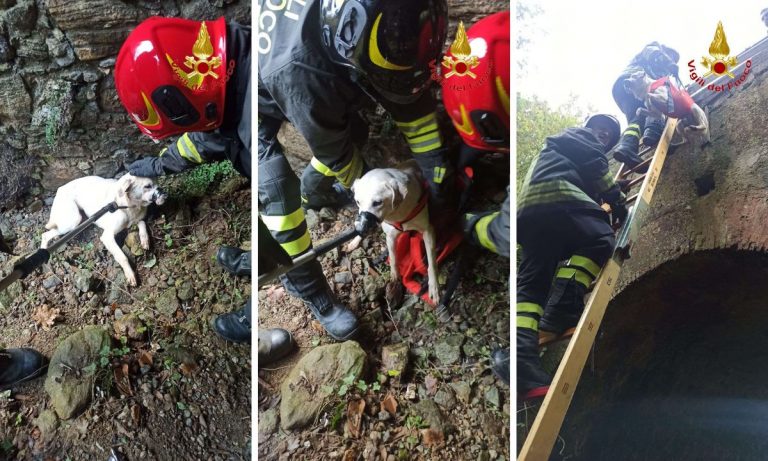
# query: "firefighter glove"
{"type": "Point", "coordinates": [148, 167]}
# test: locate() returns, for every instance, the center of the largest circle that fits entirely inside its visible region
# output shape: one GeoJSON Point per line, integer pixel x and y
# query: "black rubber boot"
{"type": "Point", "coordinates": [564, 307]}
{"type": "Point", "coordinates": [339, 322]}
{"type": "Point", "coordinates": [19, 365]}
{"type": "Point", "coordinates": [500, 364]}
{"type": "Point", "coordinates": [235, 326]}
{"type": "Point", "coordinates": [652, 133]}
{"type": "Point", "coordinates": [274, 344]}
{"type": "Point", "coordinates": [532, 380]}
{"type": "Point", "coordinates": [335, 197]}
{"type": "Point", "coordinates": [234, 260]}
{"type": "Point", "coordinates": [627, 150]}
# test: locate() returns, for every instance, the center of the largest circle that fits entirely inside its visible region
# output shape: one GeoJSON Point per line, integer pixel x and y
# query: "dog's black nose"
{"type": "Point", "coordinates": [365, 222]}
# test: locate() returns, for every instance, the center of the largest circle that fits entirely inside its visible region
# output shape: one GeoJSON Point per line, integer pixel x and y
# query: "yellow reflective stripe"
{"type": "Point", "coordinates": [423, 147]}
{"type": "Point", "coordinates": [439, 175]}
{"type": "Point", "coordinates": [632, 133]}
{"type": "Point", "coordinates": [373, 49]}
{"type": "Point", "coordinates": [353, 170]}
{"type": "Point", "coordinates": [187, 149]}
{"type": "Point", "coordinates": [482, 231]}
{"type": "Point", "coordinates": [423, 137]}
{"type": "Point", "coordinates": [321, 168]}
{"type": "Point", "coordinates": [503, 96]}
{"type": "Point", "coordinates": [531, 308]}
{"type": "Point", "coordinates": [192, 148]}
{"type": "Point", "coordinates": [416, 124]}
{"type": "Point", "coordinates": [297, 246]}
{"type": "Point", "coordinates": [586, 263]}
{"type": "Point", "coordinates": [527, 322]}
{"type": "Point", "coordinates": [581, 277]}
{"type": "Point", "coordinates": [165, 149]}
{"type": "Point", "coordinates": [284, 223]}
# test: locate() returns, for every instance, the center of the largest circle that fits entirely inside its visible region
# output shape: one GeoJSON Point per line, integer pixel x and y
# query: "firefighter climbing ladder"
{"type": "Point", "coordinates": [546, 426]}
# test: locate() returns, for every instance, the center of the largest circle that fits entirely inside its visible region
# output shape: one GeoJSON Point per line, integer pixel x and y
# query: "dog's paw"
{"type": "Point", "coordinates": [131, 279]}
{"type": "Point", "coordinates": [144, 241]}
{"type": "Point", "coordinates": [434, 293]}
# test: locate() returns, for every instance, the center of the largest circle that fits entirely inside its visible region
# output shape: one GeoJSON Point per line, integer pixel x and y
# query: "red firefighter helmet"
{"type": "Point", "coordinates": [476, 83]}
{"type": "Point", "coordinates": [171, 75]}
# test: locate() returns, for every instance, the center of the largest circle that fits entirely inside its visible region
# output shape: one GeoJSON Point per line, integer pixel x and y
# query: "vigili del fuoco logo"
{"type": "Point", "coordinates": [461, 61]}
{"type": "Point", "coordinates": [719, 63]}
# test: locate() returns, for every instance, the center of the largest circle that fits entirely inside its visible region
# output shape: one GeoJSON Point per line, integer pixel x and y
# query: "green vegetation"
{"type": "Point", "coordinates": [535, 121]}
{"type": "Point", "coordinates": [197, 182]}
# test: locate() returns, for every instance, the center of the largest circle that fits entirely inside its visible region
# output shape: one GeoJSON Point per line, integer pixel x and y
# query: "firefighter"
{"type": "Point", "coordinates": [320, 63]}
{"type": "Point", "coordinates": [192, 78]}
{"type": "Point", "coordinates": [559, 218]}
{"type": "Point", "coordinates": [657, 61]}
{"type": "Point", "coordinates": [479, 110]}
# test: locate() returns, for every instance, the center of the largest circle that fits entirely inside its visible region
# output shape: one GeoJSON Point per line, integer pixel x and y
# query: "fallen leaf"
{"type": "Point", "coordinates": [122, 380]}
{"type": "Point", "coordinates": [410, 391]}
{"type": "Point", "coordinates": [35, 434]}
{"type": "Point", "coordinates": [317, 326]}
{"type": "Point", "coordinates": [150, 262]}
{"type": "Point", "coordinates": [187, 368]}
{"type": "Point", "coordinates": [431, 383]}
{"type": "Point", "coordinates": [145, 359]}
{"type": "Point", "coordinates": [45, 316]}
{"type": "Point", "coordinates": [354, 417]}
{"type": "Point", "coordinates": [393, 294]}
{"type": "Point", "coordinates": [349, 455]}
{"type": "Point", "coordinates": [136, 414]}
{"type": "Point", "coordinates": [432, 437]}
{"type": "Point", "coordinates": [389, 404]}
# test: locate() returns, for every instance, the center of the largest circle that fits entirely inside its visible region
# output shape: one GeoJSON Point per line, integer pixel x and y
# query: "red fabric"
{"type": "Point", "coordinates": [417, 209]}
{"type": "Point", "coordinates": [412, 256]}
{"type": "Point", "coordinates": [680, 102]}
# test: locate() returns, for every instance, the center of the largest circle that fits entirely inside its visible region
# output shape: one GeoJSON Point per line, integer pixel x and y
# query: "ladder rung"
{"type": "Point", "coordinates": [634, 169]}
{"type": "Point", "coordinates": [636, 181]}
{"type": "Point", "coordinates": [645, 150]}
{"type": "Point", "coordinates": [631, 198]}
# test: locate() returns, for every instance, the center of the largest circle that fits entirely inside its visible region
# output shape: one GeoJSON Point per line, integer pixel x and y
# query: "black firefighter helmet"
{"type": "Point", "coordinates": [388, 44]}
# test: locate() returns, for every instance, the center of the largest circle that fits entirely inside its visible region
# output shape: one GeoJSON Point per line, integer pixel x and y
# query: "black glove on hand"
{"type": "Point", "coordinates": [619, 213]}
{"type": "Point", "coordinates": [439, 175]}
{"type": "Point", "coordinates": [148, 167]}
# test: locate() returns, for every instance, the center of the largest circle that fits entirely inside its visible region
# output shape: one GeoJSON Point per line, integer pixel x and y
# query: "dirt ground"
{"type": "Point", "coordinates": [477, 419]}
{"type": "Point", "coordinates": [187, 393]}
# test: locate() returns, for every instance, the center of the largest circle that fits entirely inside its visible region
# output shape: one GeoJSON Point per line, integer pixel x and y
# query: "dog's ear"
{"type": "Point", "coordinates": [395, 194]}
{"type": "Point", "coordinates": [126, 182]}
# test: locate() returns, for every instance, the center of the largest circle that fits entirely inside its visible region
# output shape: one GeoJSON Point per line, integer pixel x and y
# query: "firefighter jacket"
{"type": "Point", "coordinates": [300, 84]}
{"type": "Point", "coordinates": [571, 172]}
{"type": "Point", "coordinates": [232, 140]}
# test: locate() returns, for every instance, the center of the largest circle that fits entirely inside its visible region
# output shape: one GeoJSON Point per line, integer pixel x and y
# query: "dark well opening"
{"type": "Point", "coordinates": [681, 366]}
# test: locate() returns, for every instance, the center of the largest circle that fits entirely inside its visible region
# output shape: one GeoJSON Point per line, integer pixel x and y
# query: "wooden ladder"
{"type": "Point", "coordinates": [546, 427]}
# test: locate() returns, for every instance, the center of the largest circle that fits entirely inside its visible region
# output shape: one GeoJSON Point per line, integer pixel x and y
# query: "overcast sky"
{"type": "Point", "coordinates": [580, 47]}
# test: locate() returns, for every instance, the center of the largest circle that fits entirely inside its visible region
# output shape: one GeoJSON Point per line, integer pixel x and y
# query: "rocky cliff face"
{"type": "Point", "coordinates": [59, 113]}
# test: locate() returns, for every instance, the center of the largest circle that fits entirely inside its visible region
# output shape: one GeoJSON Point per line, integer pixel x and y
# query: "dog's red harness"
{"type": "Point", "coordinates": [679, 103]}
{"type": "Point", "coordinates": [416, 210]}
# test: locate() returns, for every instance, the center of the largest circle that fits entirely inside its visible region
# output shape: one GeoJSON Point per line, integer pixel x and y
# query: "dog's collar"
{"type": "Point", "coordinates": [417, 209]}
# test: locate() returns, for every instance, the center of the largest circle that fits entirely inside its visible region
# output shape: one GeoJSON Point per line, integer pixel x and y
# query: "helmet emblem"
{"type": "Point", "coordinates": [462, 62]}
{"type": "Point", "coordinates": [152, 119]}
{"type": "Point", "coordinates": [201, 64]}
{"type": "Point", "coordinates": [375, 53]}
{"type": "Point", "coordinates": [719, 50]}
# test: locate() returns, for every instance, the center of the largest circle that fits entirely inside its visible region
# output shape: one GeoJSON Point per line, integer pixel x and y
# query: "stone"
{"type": "Point", "coordinates": [394, 360]}
{"type": "Point", "coordinates": [448, 349]}
{"type": "Point", "coordinates": [445, 398]}
{"type": "Point", "coordinates": [35, 206]}
{"type": "Point", "coordinates": [344, 278]}
{"type": "Point", "coordinates": [373, 287]}
{"type": "Point", "coordinates": [7, 53]}
{"type": "Point", "coordinates": [168, 302]}
{"type": "Point", "coordinates": [117, 294]}
{"type": "Point", "coordinates": [47, 422]}
{"type": "Point", "coordinates": [430, 413]}
{"type": "Point", "coordinates": [130, 326]}
{"type": "Point", "coordinates": [463, 391]}
{"type": "Point", "coordinates": [106, 168]}
{"type": "Point", "coordinates": [492, 396]}
{"type": "Point", "coordinates": [15, 102]}
{"type": "Point", "coordinates": [51, 282]}
{"type": "Point", "coordinates": [186, 291]}
{"type": "Point", "coordinates": [314, 378]}
{"type": "Point", "coordinates": [312, 219]}
{"type": "Point", "coordinates": [268, 421]}
{"type": "Point", "coordinates": [21, 18]}
{"type": "Point", "coordinates": [69, 393]}
{"type": "Point", "coordinates": [13, 292]}
{"type": "Point", "coordinates": [327, 214]}
{"type": "Point", "coordinates": [83, 280]}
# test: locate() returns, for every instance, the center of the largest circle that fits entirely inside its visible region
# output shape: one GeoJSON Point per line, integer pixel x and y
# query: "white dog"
{"type": "Point", "coordinates": [92, 193]}
{"type": "Point", "coordinates": [693, 126]}
{"type": "Point", "coordinates": [398, 198]}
